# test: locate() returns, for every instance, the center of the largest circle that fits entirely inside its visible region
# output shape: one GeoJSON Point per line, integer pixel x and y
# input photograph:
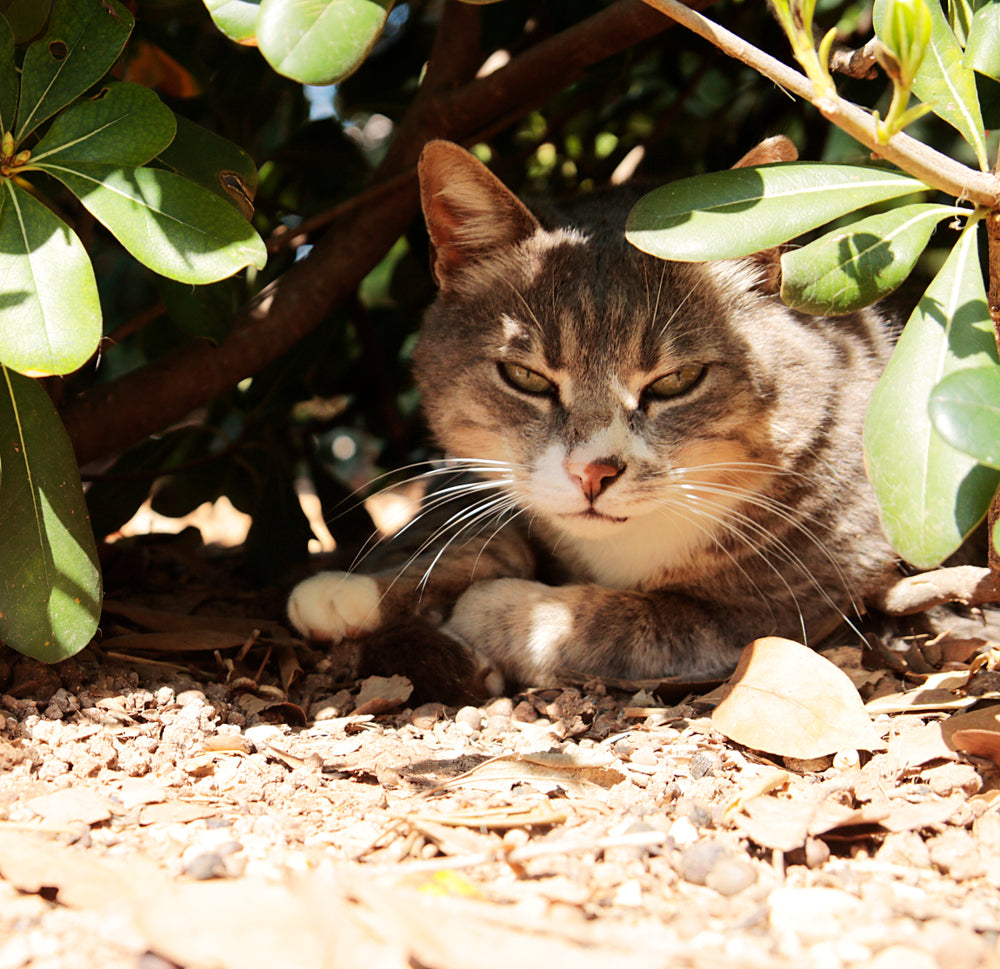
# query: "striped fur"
{"type": "Point", "coordinates": [609, 530]}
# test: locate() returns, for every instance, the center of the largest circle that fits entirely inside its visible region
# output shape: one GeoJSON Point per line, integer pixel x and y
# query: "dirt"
{"type": "Point", "coordinates": [201, 789]}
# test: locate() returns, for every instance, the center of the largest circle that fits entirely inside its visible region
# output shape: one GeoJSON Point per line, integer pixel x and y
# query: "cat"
{"type": "Point", "coordinates": [651, 463]}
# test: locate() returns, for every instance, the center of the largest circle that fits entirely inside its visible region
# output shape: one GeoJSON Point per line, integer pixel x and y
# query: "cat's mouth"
{"type": "Point", "coordinates": [592, 514]}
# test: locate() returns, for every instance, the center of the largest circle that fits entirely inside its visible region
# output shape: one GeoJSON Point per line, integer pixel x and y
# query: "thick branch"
{"type": "Point", "coordinates": [107, 419]}
{"type": "Point", "coordinates": [912, 156]}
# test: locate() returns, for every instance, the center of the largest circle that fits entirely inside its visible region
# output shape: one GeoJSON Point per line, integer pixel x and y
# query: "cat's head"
{"type": "Point", "coordinates": [609, 386]}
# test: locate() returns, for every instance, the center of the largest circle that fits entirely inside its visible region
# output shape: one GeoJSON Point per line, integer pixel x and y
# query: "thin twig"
{"type": "Point", "coordinates": [932, 167]}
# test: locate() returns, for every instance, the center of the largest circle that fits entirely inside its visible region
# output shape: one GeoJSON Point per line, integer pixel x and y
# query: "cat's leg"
{"type": "Point", "coordinates": [333, 606]}
{"type": "Point", "coordinates": [533, 632]}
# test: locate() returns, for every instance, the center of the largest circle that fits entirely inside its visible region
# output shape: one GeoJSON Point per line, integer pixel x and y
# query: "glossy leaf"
{"type": "Point", "coordinates": [169, 223]}
{"type": "Point", "coordinates": [82, 41]}
{"type": "Point", "coordinates": [744, 210]}
{"type": "Point", "coordinates": [237, 19]}
{"type": "Point", "coordinates": [319, 41]}
{"type": "Point", "coordinates": [213, 162]}
{"type": "Point", "coordinates": [965, 411]}
{"type": "Point", "coordinates": [931, 495]}
{"type": "Point", "coordinates": [50, 315]}
{"type": "Point", "coordinates": [8, 78]}
{"type": "Point", "coordinates": [50, 580]}
{"type": "Point", "coordinates": [960, 17]}
{"type": "Point", "coordinates": [851, 268]}
{"type": "Point", "coordinates": [943, 81]}
{"type": "Point", "coordinates": [26, 17]}
{"type": "Point", "coordinates": [983, 50]}
{"type": "Point", "coordinates": [122, 124]}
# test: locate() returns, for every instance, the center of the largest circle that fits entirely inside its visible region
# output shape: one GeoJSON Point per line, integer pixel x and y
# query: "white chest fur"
{"type": "Point", "coordinates": [634, 554]}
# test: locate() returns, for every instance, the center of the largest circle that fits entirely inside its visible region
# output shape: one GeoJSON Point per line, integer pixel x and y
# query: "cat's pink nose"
{"type": "Point", "coordinates": [594, 476]}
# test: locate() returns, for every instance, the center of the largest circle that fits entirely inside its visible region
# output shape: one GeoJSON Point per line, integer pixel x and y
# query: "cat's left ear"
{"type": "Point", "coordinates": [468, 210]}
{"type": "Point", "coordinates": [770, 150]}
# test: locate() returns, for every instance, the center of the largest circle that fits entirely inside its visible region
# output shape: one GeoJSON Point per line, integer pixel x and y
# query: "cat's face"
{"type": "Point", "coordinates": [604, 383]}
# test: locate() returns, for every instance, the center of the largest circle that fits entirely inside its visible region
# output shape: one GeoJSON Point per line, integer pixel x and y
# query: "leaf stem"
{"type": "Point", "coordinates": [917, 159]}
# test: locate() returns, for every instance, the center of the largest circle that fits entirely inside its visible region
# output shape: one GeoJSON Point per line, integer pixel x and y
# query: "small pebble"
{"type": "Point", "coordinates": [699, 859]}
{"type": "Point", "coordinates": [731, 875]}
{"type": "Point", "coordinates": [471, 717]}
{"type": "Point", "coordinates": [205, 865]}
{"type": "Point", "coordinates": [500, 707]}
{"type": "Point", "coordinates": [704, 764]}
{"type": "Point", "coordinates": [644, 756]}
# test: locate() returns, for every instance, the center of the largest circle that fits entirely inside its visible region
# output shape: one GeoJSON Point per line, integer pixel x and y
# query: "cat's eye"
{"type": "Point", "coordinates": [676, 382]}
{"type": "Point", "coordinates": [523, 379]}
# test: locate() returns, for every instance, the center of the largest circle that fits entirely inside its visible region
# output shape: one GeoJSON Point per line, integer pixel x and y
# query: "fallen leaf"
{"type": "Point", "coordinates": [919, 701]}
{"type": "Point", "coordinates": [71, 804]}
{"type": "Point", "coordinates": [381, 693]}
{"type": "Point", "coordinates": [80, 880]}
{"type": "Point", "coordinates": [786, 699]}
{"type": "Point", "coordinates": [134, 791]}
{"type": "Point", "coordinates": [176, 812]}
{"type": "Point", "coordinates": [981, 743]}
{"type": "Point", "coordinates": [983, 719]}
{"type": "Point", "coordinates": [579, 774]}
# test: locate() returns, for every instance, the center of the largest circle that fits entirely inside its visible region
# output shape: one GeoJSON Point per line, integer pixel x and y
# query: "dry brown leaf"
{"type": "Point", "coordinates": [134, 791]}
{"type": "Point", "coordinates": [786, 699]}
{"type": "Point", "coordinates": [71, 804]}
{"type": "Point", "coordinates": [916, 744]}
{"type": "Point", "coordinates": [176, 812]}
{"type": "Point", "coordinates": [496, 819]}
{"type": "Point", "coordinates": [913, 817]}
{"type": "Point", "coordinates": [381, 693]}
{"type": "Point", "coordinates": [80, 880]}
{"type": "Point", "coordinates": [579, 774]}
{"type": "Point", "coordinates": [981, 743]}
{"type": "Point", "coordinates": [919, 701]}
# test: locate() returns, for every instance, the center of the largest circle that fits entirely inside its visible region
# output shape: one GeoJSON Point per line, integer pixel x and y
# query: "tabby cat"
{"type": "Point", "coordinates": [661, 461]}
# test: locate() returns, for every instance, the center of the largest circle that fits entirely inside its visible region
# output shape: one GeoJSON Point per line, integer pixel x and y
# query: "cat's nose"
{"type": "Point", "coordinates": [594, 476]}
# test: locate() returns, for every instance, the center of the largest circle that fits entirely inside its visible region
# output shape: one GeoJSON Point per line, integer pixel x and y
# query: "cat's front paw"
{"type": "Point", "coordinates": [335, 605]}
{"type": "Point", "coordinates": [517, 627]}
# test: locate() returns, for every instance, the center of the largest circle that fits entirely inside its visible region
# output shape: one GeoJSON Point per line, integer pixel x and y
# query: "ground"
{"type": "Point", "coordinates": [201, 789]}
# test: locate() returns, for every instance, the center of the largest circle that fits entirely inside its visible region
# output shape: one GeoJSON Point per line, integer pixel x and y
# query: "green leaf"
{"type": "Point", "coordinates": [965, 410]}
{"type": "Point", "coordinates": [930, 495]}
{"type": "Point", "coordinates": [213, 162]}
{"type": "Point", "coordinates": [943, 81]}
{"type": "Point", "coordinates": [960, 17]}
{"type": "Point", "coordinates": [202, 311]}
{"type": "Point", "coordinates": [982, 53]}
{"type": "Point", "coordinates": [26, 17]}
{"type": "Point", "coordinates": [122, 124]}
{"type": "Point", "coordinates": [50, 315]}
{"type": "Point", "coordinates": [319, 41]}
{"type": "Point", "coordinates": [738, 212]}
{"type": "Point", "coordinates": [82, 41]}
{"type": "Point", "coordinates": [237, 19]}
{"type": "Point", "coordinates": [169, 223]}
{"type": "Point", "coordinates": [8, 78]}
{"type": "Point", "coordinates": [853, 267]}
{"type": "Point", "coordinates": [50, 580]}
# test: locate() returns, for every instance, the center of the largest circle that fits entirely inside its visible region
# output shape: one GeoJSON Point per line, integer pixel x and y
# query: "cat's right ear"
{"type": "Point", "coordinates": [468, 210]}
{"type": "Point", "coordinates": [778, 148]}
{"type": "Point", "coordinates": [768, 261]}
